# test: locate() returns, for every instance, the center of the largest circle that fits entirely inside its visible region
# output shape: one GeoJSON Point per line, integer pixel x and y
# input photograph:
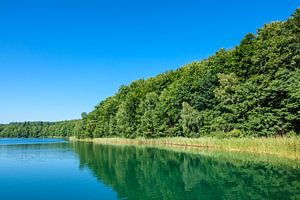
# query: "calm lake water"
{"type": "Point", "coordinates": [55, 169]}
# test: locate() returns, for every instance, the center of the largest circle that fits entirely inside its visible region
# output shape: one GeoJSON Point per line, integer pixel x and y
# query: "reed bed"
{"type": "Point", "coordinates": [288, 147]}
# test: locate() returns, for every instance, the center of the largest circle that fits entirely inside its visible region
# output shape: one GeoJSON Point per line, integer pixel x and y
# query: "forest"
{"type": "Point", "coordinates": [250, 90]}
{"type": "Point", "coordinates": [40, 129]}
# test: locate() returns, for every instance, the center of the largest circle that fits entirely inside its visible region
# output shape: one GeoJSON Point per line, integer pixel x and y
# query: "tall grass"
{"type": "Point", "coordinates": [279, 146]}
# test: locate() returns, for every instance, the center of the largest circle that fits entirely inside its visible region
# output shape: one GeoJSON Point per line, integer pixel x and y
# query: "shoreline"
{"type": "Point", "coordinates": [281, 147]}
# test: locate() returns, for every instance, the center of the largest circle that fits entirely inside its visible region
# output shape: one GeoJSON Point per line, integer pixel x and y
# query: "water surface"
{"type": "Point", "coordinates": [42, 169]}
{"type": "Point", "coordinates": [55, 169]}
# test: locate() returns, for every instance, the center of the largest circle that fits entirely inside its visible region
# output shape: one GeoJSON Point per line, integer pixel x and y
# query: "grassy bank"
{"type": "Point", "coordinates": [283, 146]}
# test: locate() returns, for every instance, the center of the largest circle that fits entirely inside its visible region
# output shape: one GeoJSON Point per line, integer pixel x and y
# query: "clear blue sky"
{"type": "Point", "coordinates": [59, 58]}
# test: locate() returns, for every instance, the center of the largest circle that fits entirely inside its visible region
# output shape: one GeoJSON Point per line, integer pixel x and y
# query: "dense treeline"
{"type": "Point", "coordinates": [40, 129]}
{"type": "Point", "coordinates": [250, 90]}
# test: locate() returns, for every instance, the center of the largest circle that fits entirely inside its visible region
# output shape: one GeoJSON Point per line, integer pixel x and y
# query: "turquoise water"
{"type": "Point", "coordinates": [55, 169]}
{"type": "Point", "coordinates": [42, 169]}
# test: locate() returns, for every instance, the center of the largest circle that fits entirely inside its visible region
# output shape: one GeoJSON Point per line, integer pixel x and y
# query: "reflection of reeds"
{"type": "Point", "coordinates": [282, 147]}
{"type": "Point", "coordinates": [238, 157]}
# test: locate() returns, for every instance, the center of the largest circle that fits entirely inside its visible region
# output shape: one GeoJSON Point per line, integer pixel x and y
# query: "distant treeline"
{"type": "Point", "coordinates": [40, 129]}
{"type": "Point", "coordinates": [250, 90]}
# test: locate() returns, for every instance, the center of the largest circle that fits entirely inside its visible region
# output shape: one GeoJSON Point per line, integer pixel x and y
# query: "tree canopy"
{"type": "Point", "coordinates": [250, 90]}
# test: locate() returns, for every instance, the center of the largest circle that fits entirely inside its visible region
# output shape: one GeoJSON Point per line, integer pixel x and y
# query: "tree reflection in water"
{"type": "Point", "coordinates": [152, 173]}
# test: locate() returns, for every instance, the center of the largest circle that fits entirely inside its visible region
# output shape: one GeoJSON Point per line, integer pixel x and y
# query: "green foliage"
{"type": "Point", "coordinates": [149, 119]}
{"type": "Point", "coordinates": [250, 90]}
{"type": "Point", "coordinates": [41, 129]}
{"type": "Point", "coordinates": [191, 120]}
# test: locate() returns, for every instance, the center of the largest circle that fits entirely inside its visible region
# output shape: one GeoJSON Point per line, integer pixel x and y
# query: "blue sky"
{"type": "Point", "coordinates": [59, 58]}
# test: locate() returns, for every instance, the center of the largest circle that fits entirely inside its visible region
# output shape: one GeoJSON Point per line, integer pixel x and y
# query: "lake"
{"type": "Point", "coordinates": [34, 169]}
